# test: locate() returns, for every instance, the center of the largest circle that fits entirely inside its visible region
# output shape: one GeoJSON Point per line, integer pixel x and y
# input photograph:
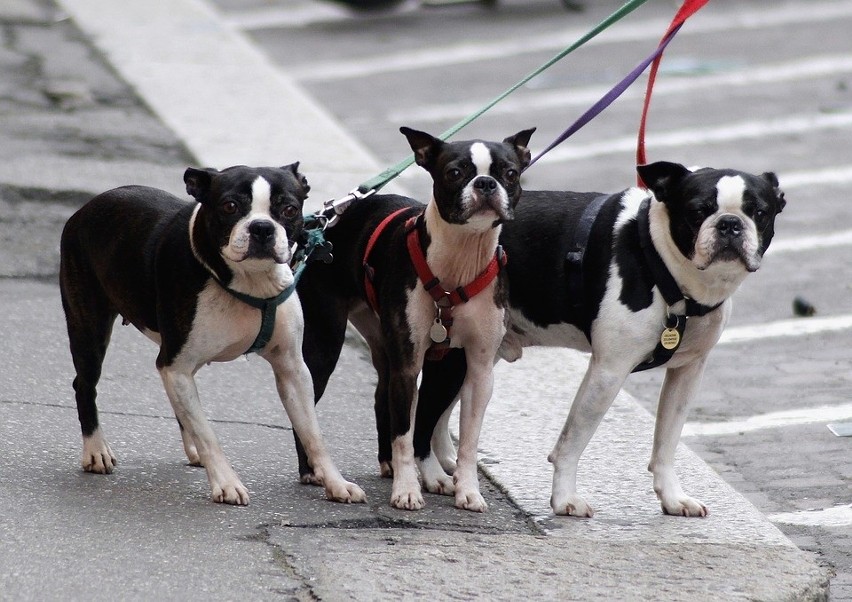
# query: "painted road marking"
{"type": "Point", "coordinates": [795, 327]}
{"type": "Point", "coordinates": [837, 516]}
{"type": "Point", "coordinates": [531, 101]}
{"type": "Point", "coordinates": [744, 130]}
{"type": "Point", "coordinates": [799, 416]}
{"type": "Point", "coordinates": [632, 31]}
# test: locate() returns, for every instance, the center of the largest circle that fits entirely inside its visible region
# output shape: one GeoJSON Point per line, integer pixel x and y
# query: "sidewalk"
{"type": "Point", "coordinates": [133, 92]}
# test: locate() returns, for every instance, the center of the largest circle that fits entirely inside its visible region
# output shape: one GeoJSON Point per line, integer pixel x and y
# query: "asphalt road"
{"type": "Point", "coordinates": [747, 84]}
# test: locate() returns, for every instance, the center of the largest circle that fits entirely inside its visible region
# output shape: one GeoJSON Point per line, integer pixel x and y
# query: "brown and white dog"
{"type": "Point", "coordinates": [420, 280]}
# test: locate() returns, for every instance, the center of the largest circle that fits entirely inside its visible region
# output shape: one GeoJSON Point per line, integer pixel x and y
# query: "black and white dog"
{"type": "Point", "coordinates": [418, 281]}
{"type": "Point", "coordinates": [191, 276]}
{"type": "Point", "coordinates": [619, 275]}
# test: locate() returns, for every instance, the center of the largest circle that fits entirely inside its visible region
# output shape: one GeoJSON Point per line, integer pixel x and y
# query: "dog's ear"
{"type": "Point", "coordinates": [661, 176]}
{"type": "Point", "coordinates": [779, 194]}
{"type": "Point", "coordinates": [300, 177]}
{"type": "Point", "coordinates": [198, 181]}
{"type": "Point", "coordinates": [425, 146]}
{"type": "Point", "coordinates": [521, 142]}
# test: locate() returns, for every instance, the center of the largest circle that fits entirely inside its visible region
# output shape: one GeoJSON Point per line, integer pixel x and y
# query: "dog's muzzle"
{"type": "Point", "coordinates": [263, 242]}
{"type": "Point", "coordinates": [489, 194]}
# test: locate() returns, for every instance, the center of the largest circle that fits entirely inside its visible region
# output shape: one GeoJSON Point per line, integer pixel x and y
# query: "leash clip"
{"type": "Point", "coordinates": [334, 208]}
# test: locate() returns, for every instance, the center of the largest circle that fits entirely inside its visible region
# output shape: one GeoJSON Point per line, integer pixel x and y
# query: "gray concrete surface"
{"type": "Point", "coordinates": [149, 531]}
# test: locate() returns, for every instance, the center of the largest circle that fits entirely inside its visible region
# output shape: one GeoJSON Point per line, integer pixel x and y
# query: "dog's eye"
{"type": "Point", "coordinates": [290, 211]}
{"type": "Point", "coordinates": [512, 176]}
{"type": "Point", "coordinates": [759, 214]}
{"type": "Point", "coordinates": [229, 207]}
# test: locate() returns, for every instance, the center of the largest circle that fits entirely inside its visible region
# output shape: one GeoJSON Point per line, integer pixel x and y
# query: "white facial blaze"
{"type": "Point", "coordinates": [729, 198]}
{"type": "Point", "coordinates": [481, 158]}
{"type": "Point", "coordinates": [240, 239]}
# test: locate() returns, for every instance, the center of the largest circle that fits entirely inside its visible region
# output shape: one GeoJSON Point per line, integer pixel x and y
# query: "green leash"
{"type": "Point", "coordinates": [376, 183]}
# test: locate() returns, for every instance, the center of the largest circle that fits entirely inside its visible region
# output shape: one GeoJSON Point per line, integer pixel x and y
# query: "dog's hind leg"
{"type": "Point", "coordinates": [595, 396]}
{"type": "Point", "coordinates": [189, 448]}
{"type": "Point", "coordinates": [325, 332]}
{"type": "Point", "coordinates": [90, 320]}
{"type": "Point", "coordinates": [439, 388]}
{"type": "Point", "coordinates": [402, 402]}
{"type": "Point", "coordinates": [679, 389]}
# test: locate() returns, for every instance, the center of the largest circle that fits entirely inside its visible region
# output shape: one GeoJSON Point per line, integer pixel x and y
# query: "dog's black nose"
{"type": "Point", "coordinates": [262, 230]}
{"type": "Point", "coordinates": [729, 226]}
{"type": "Point", "coordinates": [485, 184]}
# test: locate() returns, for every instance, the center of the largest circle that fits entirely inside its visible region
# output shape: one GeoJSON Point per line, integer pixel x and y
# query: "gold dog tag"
{"type": "Point", "coordinates": [670, 338]}
{"type": "Point", "coordinates": [438, 333]}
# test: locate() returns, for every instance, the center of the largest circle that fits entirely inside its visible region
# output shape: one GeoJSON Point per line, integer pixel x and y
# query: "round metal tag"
{"type": "Point", "coordinates": [438, 333]}
{"type": "Point", "coordinates": [670, 338]}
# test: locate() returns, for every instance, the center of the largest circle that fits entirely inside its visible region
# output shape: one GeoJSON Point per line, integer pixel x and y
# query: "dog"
{"type": "Point", "coordinates": [191, 276]}
{"type": "Point", "coordinates": [640, 278]}
{"type": "Point", "coordinates": [417, 281]}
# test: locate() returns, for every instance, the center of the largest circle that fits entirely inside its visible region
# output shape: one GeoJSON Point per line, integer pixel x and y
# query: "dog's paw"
{"type": "Point", "coordinates": [233, 493]}
{"type": "Point", "coordinates": [97, 456]}
{"type": "Point", "coordinates": [472, 500]}
{"type": "Point", "coordinates": [407, 500]}
{"type": "Point", "coordinates": [571, 505]}
{"type": "Point", "coordinates": [386, 470]}
{"type": "Point", "coordinates": [345, 493]}
{"type": "Point", "coordinates": [435, 480]}
{"type": "Point", "coordinates": [684, 506]}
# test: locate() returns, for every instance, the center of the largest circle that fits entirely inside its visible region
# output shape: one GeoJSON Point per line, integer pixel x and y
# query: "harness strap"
{"type": "Point", "coordinates": [446, 300]}
{"type": "Point", "coordinates": [369, 272]}
{"type": "Point", "coordinates": [574, 257]}
{"type": "Point", "coordinates": [268, 308]}
{"type": "Point", "coordinates": [316, 248]}
{"type": "Point", "coordinates": [670, 290]}
{"type": "Point", "coordinates": [443, 297]}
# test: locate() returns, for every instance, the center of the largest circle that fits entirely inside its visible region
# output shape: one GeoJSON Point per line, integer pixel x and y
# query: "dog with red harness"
{"type": "Point", "coordinates": [417, 280]}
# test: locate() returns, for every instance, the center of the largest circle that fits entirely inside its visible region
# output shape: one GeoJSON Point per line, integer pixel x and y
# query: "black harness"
{"type": "Point", "coordinates": [663, 280]}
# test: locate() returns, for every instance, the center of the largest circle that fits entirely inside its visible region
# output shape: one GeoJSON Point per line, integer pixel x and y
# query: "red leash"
{"type": "Point", "coordinates": [687, 9]}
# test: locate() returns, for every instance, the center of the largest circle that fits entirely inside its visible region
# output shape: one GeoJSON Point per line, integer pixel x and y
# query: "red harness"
{"type": "Point", "coordinates": [445, 300]}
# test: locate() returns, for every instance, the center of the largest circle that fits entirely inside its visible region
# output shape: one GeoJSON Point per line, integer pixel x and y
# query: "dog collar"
{"type": "Point", "coordinates": [445, 300]}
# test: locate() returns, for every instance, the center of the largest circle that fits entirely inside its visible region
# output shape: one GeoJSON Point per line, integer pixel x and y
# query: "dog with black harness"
{"type": "Point", "coordinates": [641, 278]}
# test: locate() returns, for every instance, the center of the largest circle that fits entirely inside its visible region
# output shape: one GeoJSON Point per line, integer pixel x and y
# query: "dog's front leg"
{"type": "Point", "coordinates": [679, 389]}
{"type": "Point", "coordinates": [180, 386]}
{"type": "Point", "coordinates": [293, 381]}
{"type": "Point", "coordinates": [596, 393]}
{"type": "Point", "coordinates": [475, 395]}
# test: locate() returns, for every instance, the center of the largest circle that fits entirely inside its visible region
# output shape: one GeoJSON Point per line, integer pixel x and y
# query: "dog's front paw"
{"type": "Point", "coordinates": [346, 493]}
{"type": "Point", "coordinates": [684, 506]}
{"type": "Point", "coordinates": [97, 456]}
{"type": "Point", "coordinates": [233, 493]}
{"type": "Point", "coordinates": [571, 505]}
{"type": "Point", "coordinates": [472, 500]}
{"type": "Point", "coordinates": [408, 499]}
{"type": "Point", "coordinates": [385, 470]}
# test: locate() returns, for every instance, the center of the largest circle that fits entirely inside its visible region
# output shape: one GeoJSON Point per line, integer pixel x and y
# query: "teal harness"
{"type": "Point", "coordinates": [316, 248]}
